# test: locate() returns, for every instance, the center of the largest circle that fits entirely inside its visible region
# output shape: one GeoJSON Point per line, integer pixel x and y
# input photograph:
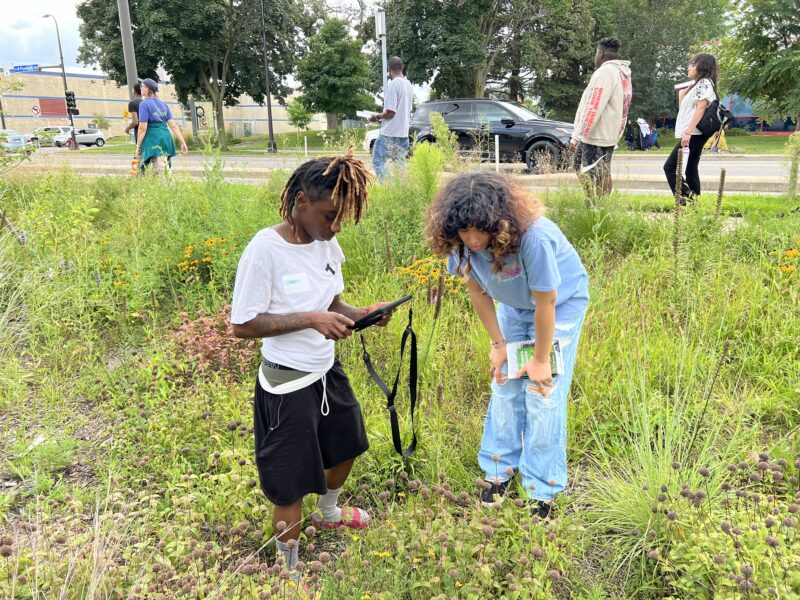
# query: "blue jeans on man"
{"type": "Point", "coordinates": [388, 148]}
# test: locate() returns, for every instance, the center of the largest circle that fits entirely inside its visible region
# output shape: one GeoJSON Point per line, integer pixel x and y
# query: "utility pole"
{"type": "Point", "coordinates": [131, 73]}
{"type": "Point", "coordinates": [380, 32]}
{"type": "Point", "coordinates": [271, 146]}
{"type": "Point", "coordinates": [2, 114]}
{"type": "Point", "coordinates": [64, 78]}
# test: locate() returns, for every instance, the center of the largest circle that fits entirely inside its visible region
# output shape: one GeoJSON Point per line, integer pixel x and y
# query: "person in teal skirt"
{"type": "Point", "coordinates": [156, 127]}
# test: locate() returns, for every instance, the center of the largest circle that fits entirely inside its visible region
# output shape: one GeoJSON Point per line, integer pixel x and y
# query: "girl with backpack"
{"type": "Point", "coordinates": [693, 99]}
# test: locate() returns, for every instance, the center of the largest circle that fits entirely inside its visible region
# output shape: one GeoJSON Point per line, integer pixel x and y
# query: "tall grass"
{"type": "Point", "coordinates": [91, 324]}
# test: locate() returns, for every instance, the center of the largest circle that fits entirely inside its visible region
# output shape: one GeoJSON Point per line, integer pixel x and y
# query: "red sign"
{"type": "Point", "coordinates": [53, 107]}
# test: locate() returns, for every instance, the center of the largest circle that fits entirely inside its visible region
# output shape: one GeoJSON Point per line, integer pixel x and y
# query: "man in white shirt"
{"type": "Point", "coordinates": [398, 98]}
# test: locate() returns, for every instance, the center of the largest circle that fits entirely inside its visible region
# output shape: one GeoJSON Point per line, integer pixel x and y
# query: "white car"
{"type": "Point", "coordinates": [11, 139]}
{"type": "Point", "coordinates": [87, 137]}
{"type": "Point", "coordinates": [370, 137]}
{"type": "Point", "coordinates": [47, 136]}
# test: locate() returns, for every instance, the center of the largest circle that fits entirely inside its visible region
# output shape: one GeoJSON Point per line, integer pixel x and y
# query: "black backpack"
{"type": "Point", "coordinates": [715, 118]}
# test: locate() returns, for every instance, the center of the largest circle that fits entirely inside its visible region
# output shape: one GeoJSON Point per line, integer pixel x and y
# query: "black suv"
{"type": "Point", "coordinates": [524, 135]}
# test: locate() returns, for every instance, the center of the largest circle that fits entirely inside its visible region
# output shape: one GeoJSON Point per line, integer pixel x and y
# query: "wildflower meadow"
{"type": "Point", "coordinates": [126, 447]}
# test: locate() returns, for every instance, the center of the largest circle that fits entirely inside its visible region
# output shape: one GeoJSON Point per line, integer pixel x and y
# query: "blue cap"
{"type": "Point", "coordinates": [150, 84]}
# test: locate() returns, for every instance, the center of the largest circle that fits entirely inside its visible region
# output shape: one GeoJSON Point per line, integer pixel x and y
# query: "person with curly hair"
{"type": "Point", "coordinates": [307, 421]}
{"type": "Point", "coordinates": [495, 236]}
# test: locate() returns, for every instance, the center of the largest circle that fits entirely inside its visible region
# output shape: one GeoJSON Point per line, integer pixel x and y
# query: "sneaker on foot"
{"type": "Point", "coordinates": [352, 518]}
{"type": "Point", "coordinates": [495, 495]}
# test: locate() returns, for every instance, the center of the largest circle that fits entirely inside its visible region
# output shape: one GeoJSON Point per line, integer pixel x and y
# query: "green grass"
{"type": "Point", "coordinates": [287, 143]}
{"type": "Point", "coordinates": [114, 348]}
{"type": "Point", "coordinates": [737, 144]}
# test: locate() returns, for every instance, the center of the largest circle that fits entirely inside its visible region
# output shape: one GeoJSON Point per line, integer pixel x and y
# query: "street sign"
{"type": "Point", "coordinates": [36, 111]}
{"type": "Point", "coordinates": [24, 68]}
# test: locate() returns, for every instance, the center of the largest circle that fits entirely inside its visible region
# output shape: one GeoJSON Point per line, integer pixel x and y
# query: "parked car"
{"type": "Point", "coordinates": [46, 136]}
{"type": "Point", "coordinates": [524, 135]}
{"type": "Point", "coordinates": [61, 135]}
{"type": "Point", "coordinates": [11, 139]}
{"type": "Point", "coordinates": [87, 137]}
{"type": "Point", "coordinates": [370, 137]}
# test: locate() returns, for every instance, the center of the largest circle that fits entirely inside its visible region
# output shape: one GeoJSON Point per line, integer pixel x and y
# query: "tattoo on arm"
{"type": "Point", "coordinates": [353, 313]}
{"type": "Point", "coordinates": [267, 325]}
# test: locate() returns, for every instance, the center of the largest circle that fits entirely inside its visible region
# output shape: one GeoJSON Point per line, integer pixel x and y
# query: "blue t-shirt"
{"type": "Point", "coordinates": [546, 262]}
{"type": "Point", "coordinates": [153, 110]}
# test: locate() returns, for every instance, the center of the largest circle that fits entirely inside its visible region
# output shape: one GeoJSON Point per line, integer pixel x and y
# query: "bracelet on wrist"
{"type": "Point", "coordinates": [499, 344]}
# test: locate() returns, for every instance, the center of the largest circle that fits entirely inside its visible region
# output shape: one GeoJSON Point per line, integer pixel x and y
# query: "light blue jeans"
{"type": "Point", "coordinates": [388, 148]}
{"type": "Point", "coordinates": [527, 431]}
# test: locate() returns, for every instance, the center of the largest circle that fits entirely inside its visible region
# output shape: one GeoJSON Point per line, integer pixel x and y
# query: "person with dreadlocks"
{"type": "Point", "coordinates": [308, 423]}
{"type": "Point", "coordinates": [494, 236]}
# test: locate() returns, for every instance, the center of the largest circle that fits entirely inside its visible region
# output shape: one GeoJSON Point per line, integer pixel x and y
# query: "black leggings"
{"type": "Point", "coordinates": [691, 182]}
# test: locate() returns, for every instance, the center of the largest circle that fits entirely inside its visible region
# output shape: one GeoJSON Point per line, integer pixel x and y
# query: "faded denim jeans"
{"type": "Point", "coordinates": [388, 148]}
{"type": "Point", "coordinates": [526, 430]}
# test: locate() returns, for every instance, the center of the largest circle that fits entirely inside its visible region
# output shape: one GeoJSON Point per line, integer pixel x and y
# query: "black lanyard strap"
{"type": "Point", "coordinates": [408, 334]}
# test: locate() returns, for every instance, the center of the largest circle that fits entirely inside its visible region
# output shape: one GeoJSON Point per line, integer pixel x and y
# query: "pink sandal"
{"type": "Point", "coordinates": [352, 517]}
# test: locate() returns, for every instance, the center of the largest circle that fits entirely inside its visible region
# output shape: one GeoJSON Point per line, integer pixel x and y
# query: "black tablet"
{"type": "Point", "coordinates": [376, 315]}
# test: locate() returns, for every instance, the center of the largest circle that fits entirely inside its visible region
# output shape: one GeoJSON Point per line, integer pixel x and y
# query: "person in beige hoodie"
{"type": "Point", "coordinates": [601, 118]}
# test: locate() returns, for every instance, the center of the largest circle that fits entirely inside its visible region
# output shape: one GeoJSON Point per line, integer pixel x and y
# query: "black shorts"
{"type": "Point", "coordinates": [587, 154]}
{"type": "Point", "coordinates": [295, 443]}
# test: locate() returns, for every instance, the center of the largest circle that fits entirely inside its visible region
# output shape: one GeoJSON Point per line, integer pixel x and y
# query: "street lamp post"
{"type": "Point", "coordinates": [64, 78]}
{"type": "Point", "coordinates": [271, 146]}
{"type": "Point", "coordinates": [380, 32]}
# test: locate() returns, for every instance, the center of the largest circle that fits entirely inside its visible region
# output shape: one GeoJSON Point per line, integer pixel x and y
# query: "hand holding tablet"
{"type": "Point", "coordinates": [376, 316]}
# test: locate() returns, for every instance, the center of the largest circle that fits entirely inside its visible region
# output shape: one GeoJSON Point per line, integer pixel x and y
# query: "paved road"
{"type": "Point", "coordinates": [634, 171]}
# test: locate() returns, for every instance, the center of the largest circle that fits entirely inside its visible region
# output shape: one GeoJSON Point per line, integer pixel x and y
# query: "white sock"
{"type": "Point", "coordinates": [327, 506]}
{"type": "Point", "coordinates": [289, 555]}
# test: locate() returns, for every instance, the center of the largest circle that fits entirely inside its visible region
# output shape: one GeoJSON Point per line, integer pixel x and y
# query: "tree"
{"type": "Point", "coordinates": [212, 49]}
{"type": "Point", "coordinates": [299, 115]}
{"type": "Point", "coordinates": [335, 75]}
{"type": "Point", "coordinates": [509, 48]}
{"type": "Point", "coordinates": [760, 60]}
{"type": "Point", "coordinates": [658, 38]}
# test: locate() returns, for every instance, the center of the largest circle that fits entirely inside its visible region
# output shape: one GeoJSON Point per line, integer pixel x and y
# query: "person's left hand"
{"type": "Point", "coordinates": [138, 151]}
{"type": "Point", "coordinates": [687, 137]}
{"type": "Point", "coordinates": [540, 376]}
{"type": "Point", "coordinates": [184, 148]}
{"type": "Point", "coordinates": [385, 319]}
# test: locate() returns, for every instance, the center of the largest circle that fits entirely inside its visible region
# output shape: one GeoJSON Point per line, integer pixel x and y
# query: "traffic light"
{"type": "Point", "coordinates": [72, 107]}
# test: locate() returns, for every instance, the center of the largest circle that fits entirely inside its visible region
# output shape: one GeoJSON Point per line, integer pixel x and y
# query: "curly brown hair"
{"type": "Point", "coordinates": [488, 201]}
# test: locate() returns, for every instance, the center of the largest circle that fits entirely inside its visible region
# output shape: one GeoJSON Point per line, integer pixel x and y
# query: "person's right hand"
{"type": "Point", "coordinates": [184, 148]}
{"type": "Point", "coordinates": [498, 357]}
{"type": "Point", "coordinates": [332, 325]}
{"type": "Point", "coordinates": [573, 146]}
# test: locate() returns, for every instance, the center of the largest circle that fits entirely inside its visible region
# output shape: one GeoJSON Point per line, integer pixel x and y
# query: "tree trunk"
{"type": "Point", "coordinates": [333, 121]}
{"type": "Point", "coordinates": [222, 136]}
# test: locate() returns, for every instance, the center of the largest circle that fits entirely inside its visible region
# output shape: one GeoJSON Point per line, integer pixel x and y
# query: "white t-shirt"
{"type": "Point", "coordinates": [703, 90]}
{"type": "Point", "coordinates": [399, 97]}
{"type": "Point", "coordinates": [280, 278]}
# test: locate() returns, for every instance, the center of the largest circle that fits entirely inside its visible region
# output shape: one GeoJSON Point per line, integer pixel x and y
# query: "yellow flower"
{"type": "Point", "coordinates": [417, 559]}
{"type": "Point", "coordinates": [401, 494]}
{"type": "Point", "coordinates": [459, 584]}
{"type": "Point", "coordinates": [365, 597]}
{"type": "Point", "coordinates": [431, 553]}
{"type": "Point", "coordinates": [788, 268]}
{"type": "Point", "coordinates": [355, 538]}
{"type": "Point", "coordinates": [206, 259]}
{"type": "Point", "coordinates": [794, 252]}
{"type": "Point", "coordinates": [383, 554]}
{"type": "Point", "coordinates": [117, 283]}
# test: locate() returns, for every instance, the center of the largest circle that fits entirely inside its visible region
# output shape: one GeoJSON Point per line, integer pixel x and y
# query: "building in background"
{"type": "Point", "coordinates": [41, 103]}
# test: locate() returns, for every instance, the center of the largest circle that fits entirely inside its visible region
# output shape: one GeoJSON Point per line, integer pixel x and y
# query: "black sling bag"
{"type": "Point", "coordinates": [408, 334]}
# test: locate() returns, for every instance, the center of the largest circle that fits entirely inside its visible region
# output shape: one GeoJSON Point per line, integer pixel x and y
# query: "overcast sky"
{"type": "Point", "coordinates": [27, 38]}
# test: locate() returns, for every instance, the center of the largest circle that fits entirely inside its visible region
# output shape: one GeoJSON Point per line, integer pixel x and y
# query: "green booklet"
{"type": "Point", "coordinates": [520, 353]}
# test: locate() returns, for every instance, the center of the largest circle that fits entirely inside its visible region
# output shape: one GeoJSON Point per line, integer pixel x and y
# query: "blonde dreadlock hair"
{"type": "Point", "coordinates": [346, 178]}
